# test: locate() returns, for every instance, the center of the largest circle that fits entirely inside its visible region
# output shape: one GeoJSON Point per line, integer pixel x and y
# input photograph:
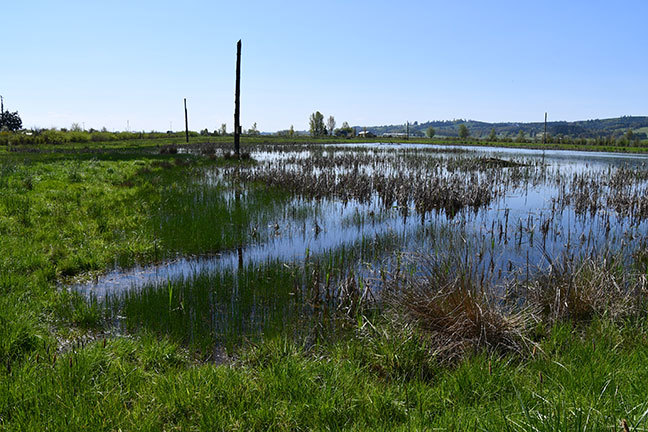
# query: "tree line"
{"type": "Point", "coordinates": [318, 128]}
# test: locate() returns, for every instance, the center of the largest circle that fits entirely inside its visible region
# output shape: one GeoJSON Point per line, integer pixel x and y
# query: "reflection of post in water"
{"type": "Point", "coordinates": [237, 102]}
{"type": "Point", "coordinates": [239, 228]}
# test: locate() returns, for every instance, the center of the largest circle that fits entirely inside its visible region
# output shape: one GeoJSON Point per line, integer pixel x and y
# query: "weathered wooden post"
{"type": "Point", "coordinates": [237, 102]}
{"type": "Point", "coordinates": [186, 122]}
{"type": "Point", "coordinates": [544, 137]}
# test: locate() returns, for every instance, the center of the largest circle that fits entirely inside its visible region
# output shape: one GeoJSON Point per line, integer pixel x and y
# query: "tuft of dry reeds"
{"type": "Point", "coordinates": [449, 304]}
{"type": "Point", "coordinates": [586, 289]}
{"type": "Point", "coordinates": [169, 149]}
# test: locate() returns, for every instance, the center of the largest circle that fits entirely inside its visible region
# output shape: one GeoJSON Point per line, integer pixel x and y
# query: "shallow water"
{"type": "Point", "coordinates": [300, 255]}
{"type": "Point", "coordinates": [506, 232]}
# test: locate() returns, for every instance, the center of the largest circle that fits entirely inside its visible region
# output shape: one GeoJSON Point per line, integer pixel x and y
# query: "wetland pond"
{"type": "Point", "coordinates": [319, 226]}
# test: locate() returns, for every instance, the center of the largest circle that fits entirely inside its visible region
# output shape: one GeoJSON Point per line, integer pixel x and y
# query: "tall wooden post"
{"type": "Point", "coordinates": [544, 137]}
{"type": "Point", "coordinates": [237, 102]}
{"type": "Point", "coordinates": [186, 122]}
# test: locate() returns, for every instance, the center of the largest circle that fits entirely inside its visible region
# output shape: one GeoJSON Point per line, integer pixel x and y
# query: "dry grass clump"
{"type": "Point", "coordinates": [451, 307]}
{"type": "Point", "coordinates": [459, 313]}
{"type": "Point", "coordinates": [232, 155]}
{"type": "Point", "coordinates": [169, 149]}
{"type": "Point", "coordinates": [583, 290]}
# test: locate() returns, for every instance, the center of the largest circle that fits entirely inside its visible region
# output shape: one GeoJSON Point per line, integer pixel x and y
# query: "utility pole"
{"type": "Point", "coordinates": [186, 122]}
{"type": "Point", "coordinates": [237, 102]}
{"type": "Point", "coordinates": [1, 106]}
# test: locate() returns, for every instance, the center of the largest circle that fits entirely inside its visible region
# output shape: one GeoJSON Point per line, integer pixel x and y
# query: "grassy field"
{"type": "Point", "coordinates": [160, 140]}
{"type": "Point", "coordinates": [67, 212]}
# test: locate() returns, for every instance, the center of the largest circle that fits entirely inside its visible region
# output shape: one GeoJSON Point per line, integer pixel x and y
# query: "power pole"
{"type": "Point", "coordinates": [237, 102]}
{"type": "Point", "coordinates": [1, 106]}
{"type": "Point", "coordinates": [186, 122]}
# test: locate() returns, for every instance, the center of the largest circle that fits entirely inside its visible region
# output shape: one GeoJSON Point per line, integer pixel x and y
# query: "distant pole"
{"type": "Point", "coordinates": [544, 137]}
{"type": "Point", "coordinates": [237, 102]}
{"type": "Point", "coordinates": [1, 105]}
{"type": "Point", "coordinates": [407, 130]}
{"type": "Point", "coordinates": [186, 121]}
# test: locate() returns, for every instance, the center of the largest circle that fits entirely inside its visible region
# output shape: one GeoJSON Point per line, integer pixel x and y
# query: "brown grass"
{"type": "Point", "coordinates": [583, 290]}
{"type": "Point", "coordinates": [457, 314]}
{"type": "Point", "coordinates": [445, 300]}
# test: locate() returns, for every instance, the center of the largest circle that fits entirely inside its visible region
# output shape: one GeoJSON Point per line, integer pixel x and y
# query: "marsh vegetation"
{"type": "Point", "coordinates": [407, 271]}
{"type": "Point", "coordinates": [475, 247]}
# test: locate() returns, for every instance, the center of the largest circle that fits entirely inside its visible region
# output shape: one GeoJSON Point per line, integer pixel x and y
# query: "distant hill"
{"type": "Point", "coordinates": [579, 129]}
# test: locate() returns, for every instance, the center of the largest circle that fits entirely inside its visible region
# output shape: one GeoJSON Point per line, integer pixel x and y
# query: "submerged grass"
{"type": "Point", "coordinates": [222, 307]}
{"type": "Point", "coordinates": [198, 218]}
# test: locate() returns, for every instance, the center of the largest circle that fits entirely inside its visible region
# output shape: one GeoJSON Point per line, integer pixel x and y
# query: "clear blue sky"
{"type": "Point", "coordinates": [104, 63]}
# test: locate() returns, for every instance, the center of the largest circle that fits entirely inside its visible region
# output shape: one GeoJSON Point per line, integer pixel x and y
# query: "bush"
{"type": "Point", "coordinates": [53, 136]}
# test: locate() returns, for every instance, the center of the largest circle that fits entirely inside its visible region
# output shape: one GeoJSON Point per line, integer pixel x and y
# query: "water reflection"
{"type": "Point", "coordinates": [533, 216]}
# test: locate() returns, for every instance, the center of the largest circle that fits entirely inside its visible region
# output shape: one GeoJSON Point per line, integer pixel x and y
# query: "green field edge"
{"type": "Point", "coordinates": [125, 145]}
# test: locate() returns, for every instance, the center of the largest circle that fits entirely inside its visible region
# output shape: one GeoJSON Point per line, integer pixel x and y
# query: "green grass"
{"type": "Point", "coordinates": [385, 379]}
{"type": "Point", "coordinates": [70, 212]}
{"type": "Point", "coordinates": [67, 214]}
{"type": "Point", "coordinates": [153, 144]}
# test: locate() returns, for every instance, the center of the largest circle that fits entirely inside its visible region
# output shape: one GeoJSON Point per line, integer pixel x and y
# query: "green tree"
{"type": "Point", "coordinates": [520, 137]}
{"type": "Point", "coordinates": [10, 121]}
{"type": "Point", "coordinates": [629, 135]}
{"type": "Point", "coordinates": [330, 123]}
{"type": "Point", "coordinates": [344, 131]}
{"type": "Point", "coordinates": [429, 132]}
{"type": "Point", "coordinates": [291, 131]}
{"type": "Point", "coordinates": [253, 130]}
{"type": "Point", "coordinates": [316, 122]}
{"type": "Point", "coordinates": [463, 131]}
{"type": "Point", "coordinates": [223, 129]}
{"type": "Point", "coordinates": [493, 135]}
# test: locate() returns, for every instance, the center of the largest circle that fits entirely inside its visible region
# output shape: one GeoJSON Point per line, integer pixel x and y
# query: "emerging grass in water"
{"type": "Point", "coordinates": [255, 300]}
{"type": "Point", "coordinates": [194, 217]}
